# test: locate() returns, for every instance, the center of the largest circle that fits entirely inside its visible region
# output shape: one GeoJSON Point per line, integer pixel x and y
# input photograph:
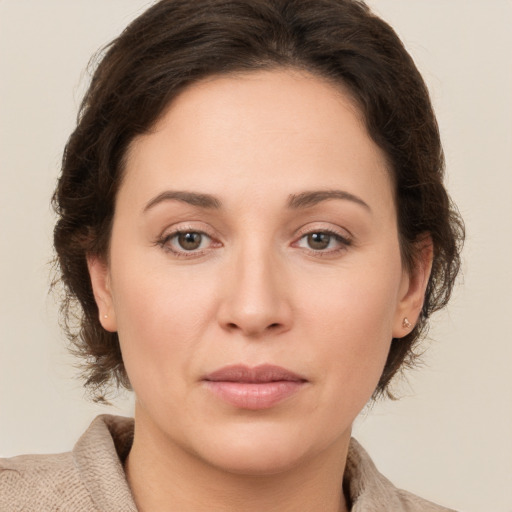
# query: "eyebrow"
{"type": "Point", "coordinates": [295, 201]}
{"type": "Point", "coordinates": [312, 198]}
{"type": "Point", "coordinates": [193, 198]}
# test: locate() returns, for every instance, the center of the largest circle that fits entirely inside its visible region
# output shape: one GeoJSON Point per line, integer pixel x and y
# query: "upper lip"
{"type": "Point", "coordinates": [253, 375]}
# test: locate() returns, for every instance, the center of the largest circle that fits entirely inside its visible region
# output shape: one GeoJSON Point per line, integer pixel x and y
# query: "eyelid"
{"type": "Point", "coordinates": [171, 231]}
{"type": "Point", "coordinates": [343, 236]}
{"type": "Point", "coordinates": [314, 227]}
{"type": "Point", "coordinates": [186, 226]}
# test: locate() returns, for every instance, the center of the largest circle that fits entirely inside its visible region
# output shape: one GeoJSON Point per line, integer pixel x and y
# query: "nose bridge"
{"type": "Point", "coordinates": [256, 300]}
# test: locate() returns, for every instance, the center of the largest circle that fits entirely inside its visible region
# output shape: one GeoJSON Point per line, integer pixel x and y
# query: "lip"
{"type": "Point", "coordinates": [253, 388]}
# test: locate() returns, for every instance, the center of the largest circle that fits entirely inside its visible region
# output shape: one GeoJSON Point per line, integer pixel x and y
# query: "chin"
{"type": "Point", "coordinates": [261, 449]}
{"type": "Point", "coordinates": [254, 459]}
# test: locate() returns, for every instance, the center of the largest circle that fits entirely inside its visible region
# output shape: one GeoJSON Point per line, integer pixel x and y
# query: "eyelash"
{"type": "Point", "coordinates": [343, 241]}
{"type": "Point", "coordinates": [164, 242]}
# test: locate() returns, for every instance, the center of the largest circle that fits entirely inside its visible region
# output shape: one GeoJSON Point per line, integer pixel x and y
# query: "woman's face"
{"type": "Point", "coordinates": [255, 226]}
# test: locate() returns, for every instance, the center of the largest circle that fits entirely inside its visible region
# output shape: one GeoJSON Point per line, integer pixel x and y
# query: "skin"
{"type": "Point", "coordinates": [257, 290]}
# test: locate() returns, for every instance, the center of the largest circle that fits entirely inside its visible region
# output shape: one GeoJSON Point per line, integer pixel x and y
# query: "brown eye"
{"type": "Point", "coordinates": [319, 241]}
{"type": "Point", "coordinates": [189, 241]}
{"type": "Point", "coordinates": [324, 242]}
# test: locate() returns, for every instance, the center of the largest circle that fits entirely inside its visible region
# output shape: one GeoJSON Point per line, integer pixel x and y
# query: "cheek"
{"type": "Point", "coordinates": [160, 317]}
{"type": "Point", "coordinates": [352, 320]}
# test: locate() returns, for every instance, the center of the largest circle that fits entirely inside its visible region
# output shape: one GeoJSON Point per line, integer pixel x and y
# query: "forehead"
{"type": "Point", "coordinates": [268, 130]}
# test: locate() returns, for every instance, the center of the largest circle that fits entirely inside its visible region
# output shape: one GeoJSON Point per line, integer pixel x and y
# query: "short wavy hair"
{"type": "Point", "coordinates": [176, 43]}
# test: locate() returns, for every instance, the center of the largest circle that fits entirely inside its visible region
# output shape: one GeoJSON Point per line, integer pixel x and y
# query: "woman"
{"type": "Point", "coordinates": [253, 221]}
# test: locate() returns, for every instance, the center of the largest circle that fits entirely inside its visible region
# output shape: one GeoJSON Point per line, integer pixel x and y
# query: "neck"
{"type": "Point", "coordinates": [165, 477]}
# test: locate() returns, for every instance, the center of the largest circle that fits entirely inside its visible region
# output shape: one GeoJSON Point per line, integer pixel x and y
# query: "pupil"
{"type": "Point", "coordinates": [189, 241]}
{"type": "Point", "coordinates": [318, 240]}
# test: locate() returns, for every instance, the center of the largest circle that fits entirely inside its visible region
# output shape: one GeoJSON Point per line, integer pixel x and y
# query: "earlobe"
{"type": "Point", "coordinates": [414, 285]}
{"type": "Point", "coordinates": [100, 281]}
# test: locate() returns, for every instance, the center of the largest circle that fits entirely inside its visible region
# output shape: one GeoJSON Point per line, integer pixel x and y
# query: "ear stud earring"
{"type": "Point", "coordinates": [105, 316]}
{"type": "Point", "coordinates": [406, 324]}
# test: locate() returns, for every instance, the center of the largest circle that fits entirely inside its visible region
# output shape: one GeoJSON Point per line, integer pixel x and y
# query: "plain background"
{"type": "Point", "coordinates": [450, 437]}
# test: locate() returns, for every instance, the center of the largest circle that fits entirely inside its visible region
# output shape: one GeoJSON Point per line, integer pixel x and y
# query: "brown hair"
{"type": "Point", "coordinates": [176, 43]}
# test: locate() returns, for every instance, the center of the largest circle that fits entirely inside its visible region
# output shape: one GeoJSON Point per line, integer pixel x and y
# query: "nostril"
{"type": "Point", "coordinates": [232, 326]}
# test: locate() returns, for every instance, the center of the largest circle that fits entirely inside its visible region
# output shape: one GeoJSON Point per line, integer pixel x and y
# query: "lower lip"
{"type": "Point", "coordinates": [254, 396]}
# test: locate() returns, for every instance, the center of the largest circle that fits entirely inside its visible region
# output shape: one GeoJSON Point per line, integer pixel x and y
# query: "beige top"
{"type": "Point", "coordinates": [91, 477]}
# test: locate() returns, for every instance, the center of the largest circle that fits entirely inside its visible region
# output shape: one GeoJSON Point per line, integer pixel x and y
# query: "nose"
{"type": "Point", "coordinates": [255, 296]}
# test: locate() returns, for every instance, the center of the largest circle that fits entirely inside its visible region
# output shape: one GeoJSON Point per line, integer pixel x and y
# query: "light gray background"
{"type": "Point", "coordinates": [450, 437]}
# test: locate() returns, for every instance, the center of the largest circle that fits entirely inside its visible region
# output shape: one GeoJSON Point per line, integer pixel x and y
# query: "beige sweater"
{"type": "Point", "coordinates": [91, 477]}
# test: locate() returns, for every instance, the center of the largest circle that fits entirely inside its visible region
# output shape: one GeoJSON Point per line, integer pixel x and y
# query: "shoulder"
{"type": "Point", "coordinates": [411, 502]}
{"type": "Point", "coordinates": [370, 491]}
{"type": "Point", "coordinates": [88, 478]}
{"type": "Point", "coordinates": [41, 482]}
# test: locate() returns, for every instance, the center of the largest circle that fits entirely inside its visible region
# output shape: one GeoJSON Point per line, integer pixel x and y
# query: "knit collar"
{"type": "Point", "coordinates": [99, 455]}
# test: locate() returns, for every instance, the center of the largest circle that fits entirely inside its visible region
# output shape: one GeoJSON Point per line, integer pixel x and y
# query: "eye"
{"type": "Point", "coordinates": [183, 242]}
{"type": "Point", "coordinates": [318, 241]}
{"type": "Point", "coordinates": [189, 241]}
{"type": "Point", "coordinates": [323, 241]}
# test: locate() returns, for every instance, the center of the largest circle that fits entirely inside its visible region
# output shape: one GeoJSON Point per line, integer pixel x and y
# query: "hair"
{"type": "Point", "coordinates": [176, 43]}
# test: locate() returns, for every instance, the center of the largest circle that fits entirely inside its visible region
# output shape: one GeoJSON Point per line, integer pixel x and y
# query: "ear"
{"type": "Point", "coordinates": [413, 286]}
{"type": "Point", "coordinates": [100, 280]}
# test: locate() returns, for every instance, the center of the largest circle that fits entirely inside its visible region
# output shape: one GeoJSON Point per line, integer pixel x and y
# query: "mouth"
{"type": "Point", "coordinates": [259, 387]}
